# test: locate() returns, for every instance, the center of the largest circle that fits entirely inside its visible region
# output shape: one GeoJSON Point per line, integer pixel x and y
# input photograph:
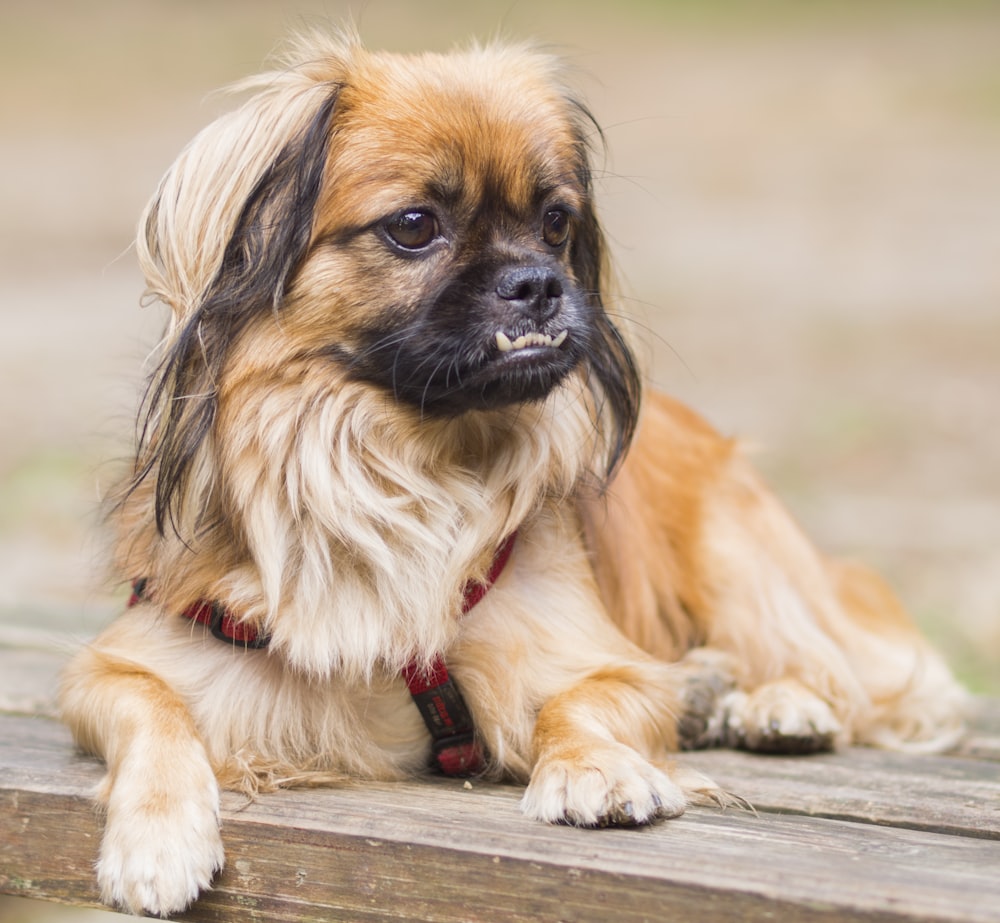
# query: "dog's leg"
{"type": "Point", "coordinates": [161, 842]}
{"type": "Point", "coordinates": [584, 774]}
{"type": "Point", "coordinates": [692, 550]}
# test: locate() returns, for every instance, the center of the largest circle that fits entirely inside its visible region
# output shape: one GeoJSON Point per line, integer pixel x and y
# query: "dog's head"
{"type": "Point", "coordinates": [421, 225]}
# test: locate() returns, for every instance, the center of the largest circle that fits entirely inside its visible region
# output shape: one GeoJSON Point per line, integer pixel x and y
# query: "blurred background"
{"type": "Point", "coordinates": [803, 200]}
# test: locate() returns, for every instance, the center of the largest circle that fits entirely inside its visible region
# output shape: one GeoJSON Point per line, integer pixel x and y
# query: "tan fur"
{"type": "Point", "coordinates": [345, 524]}
{"type": "Point", "coordinates": [692, 551]}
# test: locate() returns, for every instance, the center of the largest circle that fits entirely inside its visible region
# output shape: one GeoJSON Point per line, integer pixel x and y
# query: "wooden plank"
{"type": "Point", "coordinates": [938, 793]}
{"type": "Point", "coordinates": [436, 851]}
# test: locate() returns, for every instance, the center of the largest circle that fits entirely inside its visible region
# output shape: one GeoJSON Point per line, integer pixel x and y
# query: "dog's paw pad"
{"type": "Point", "coordinates": [609, 786]}
{"type": "Point", "coordinates": [780, 717]}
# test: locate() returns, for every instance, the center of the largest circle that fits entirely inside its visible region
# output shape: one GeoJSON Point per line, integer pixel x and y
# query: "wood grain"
{"type": "Point", "coordinates": [943, 794]}
{"type": "Point", "coordinates": [434, 850]}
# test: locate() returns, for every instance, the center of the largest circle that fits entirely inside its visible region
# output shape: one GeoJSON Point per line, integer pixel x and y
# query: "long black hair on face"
{"type": "Point", "coordinates": [270, 238]}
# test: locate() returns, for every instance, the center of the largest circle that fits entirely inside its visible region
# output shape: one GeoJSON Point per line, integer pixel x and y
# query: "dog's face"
{"type": "Point", "coordinates": [455, 236]}
{"type": "Point", "coordinates": [420, 225]}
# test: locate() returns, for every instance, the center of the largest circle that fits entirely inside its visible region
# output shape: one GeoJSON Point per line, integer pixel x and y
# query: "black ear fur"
{"type": "Point", "coordinates": [615, 380]}
{"type": "Point", "coordinates": [270, 239]}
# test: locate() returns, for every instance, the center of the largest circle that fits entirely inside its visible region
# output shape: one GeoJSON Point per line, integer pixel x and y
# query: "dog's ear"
{"type": "Point", "coordinates": [614, 380]}
{"type": "Point", "coordinates": [230, 224]}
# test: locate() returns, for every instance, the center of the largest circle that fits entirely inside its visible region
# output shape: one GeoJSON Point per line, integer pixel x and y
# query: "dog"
{"type": "Point", "coordinates": [395, 501]}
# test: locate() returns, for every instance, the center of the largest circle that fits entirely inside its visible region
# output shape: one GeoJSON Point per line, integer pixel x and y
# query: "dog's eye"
{"type": "Point", "coordinates": [412, 230]}
{"type": "Point", "coordinates": [555, 227]}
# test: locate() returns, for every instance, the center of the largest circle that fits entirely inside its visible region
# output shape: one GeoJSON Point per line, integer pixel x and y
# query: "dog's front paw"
{"type": "Point", "coordinates": [780, 717]}
{"type": "Point", "coordinates": [605, 785]}
{"type": "Point", "coordinates": [160, 849]}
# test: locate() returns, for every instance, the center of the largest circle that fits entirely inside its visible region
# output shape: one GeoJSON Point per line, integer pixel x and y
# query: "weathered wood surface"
{"type": "Point", "coordinates": [946, 794]}
{"type": "Point", "coordinates": [859, 835]}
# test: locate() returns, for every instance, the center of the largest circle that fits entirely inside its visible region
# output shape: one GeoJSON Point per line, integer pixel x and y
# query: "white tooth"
{"type": "Point", "coordinates": [532, 338]}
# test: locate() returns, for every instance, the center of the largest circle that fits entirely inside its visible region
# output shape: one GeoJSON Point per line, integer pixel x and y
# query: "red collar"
{"type": "Point", "coordinates": [434, 692]}
{"type": "Point", "coordinates": [456, 751]}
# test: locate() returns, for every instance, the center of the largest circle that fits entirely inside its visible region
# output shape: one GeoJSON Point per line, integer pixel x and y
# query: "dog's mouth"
{"type": "Point", "coordinates": [465, 353]}
{"type": "Point", "coordinates": [518, 365]}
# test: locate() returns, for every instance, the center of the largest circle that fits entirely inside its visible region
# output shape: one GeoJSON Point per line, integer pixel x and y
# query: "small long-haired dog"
{"type": "Point", "coordinates": [394, 499]}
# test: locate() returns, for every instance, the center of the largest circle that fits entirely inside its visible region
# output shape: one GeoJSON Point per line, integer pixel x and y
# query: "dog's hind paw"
{"type": "Point", "coordinates": [707, 678]}
{"type": "Point", "coordinates": [780, 717]}
{"type": "Point", "coordinates": [607, 785]}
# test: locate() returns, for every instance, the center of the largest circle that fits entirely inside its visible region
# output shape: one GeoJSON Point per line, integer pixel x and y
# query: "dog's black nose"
{"type": "Point", "coordinates": [532, 290]}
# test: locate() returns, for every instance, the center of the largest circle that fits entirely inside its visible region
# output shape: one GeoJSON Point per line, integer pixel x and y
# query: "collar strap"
{"type": "Point", "coordinates": [475, 591]}
{"type": "Point", "coordinates": [213, 615]}
{"type": "Point", "coordinates": [437, 697]}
